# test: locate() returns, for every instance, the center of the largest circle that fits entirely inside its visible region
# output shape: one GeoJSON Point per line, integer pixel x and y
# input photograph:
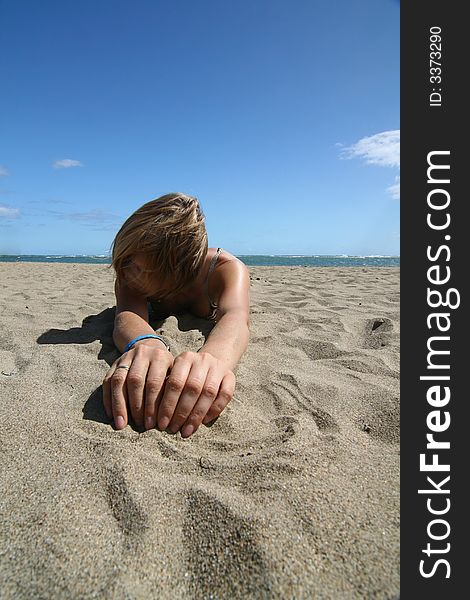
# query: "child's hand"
{"type": "Point", "coordinates": [138, 377]}
{"type": "Point", "coordinates": [197, 390]}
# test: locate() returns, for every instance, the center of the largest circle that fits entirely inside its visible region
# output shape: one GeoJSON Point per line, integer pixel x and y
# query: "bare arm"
{"type": "Point", "coordinates": [131, 318]}
{"type": "Point", "coordinates": [201, 384]}
{"type": "Point", "coordinates": [138, 376]}
{"type": "Point", "coordinates": [229, 338]}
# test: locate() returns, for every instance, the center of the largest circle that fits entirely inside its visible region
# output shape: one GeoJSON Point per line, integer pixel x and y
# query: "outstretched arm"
{"type": "Point", "coordinates": [201, 384]}
{"type": "Point", "coordinates": [229, 337]}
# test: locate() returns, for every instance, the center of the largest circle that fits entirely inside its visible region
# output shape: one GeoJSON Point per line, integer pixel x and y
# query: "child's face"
{"type": "Point", "coordinates": [133, 270]}
{"type": "Point", "coordinates": [137, 277]}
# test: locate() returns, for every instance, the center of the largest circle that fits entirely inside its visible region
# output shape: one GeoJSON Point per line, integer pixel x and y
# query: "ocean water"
{"type": "Point", "coordinates": [259, 260]}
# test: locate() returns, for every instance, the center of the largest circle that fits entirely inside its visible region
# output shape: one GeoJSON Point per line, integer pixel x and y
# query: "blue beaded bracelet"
{"type": "Point", "coordinates": [132, 343]}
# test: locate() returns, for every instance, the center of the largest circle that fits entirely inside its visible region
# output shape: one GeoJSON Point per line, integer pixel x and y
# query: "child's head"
{"type": "Point", "coordinates": [166, 236]}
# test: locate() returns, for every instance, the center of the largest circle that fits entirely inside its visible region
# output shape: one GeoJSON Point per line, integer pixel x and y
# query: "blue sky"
{"type": "Point", "coordinates": [281, 117]}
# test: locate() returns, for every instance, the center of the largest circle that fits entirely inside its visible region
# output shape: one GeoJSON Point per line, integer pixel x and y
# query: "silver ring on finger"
{"type": "Point", "coordinates": [123, 367]}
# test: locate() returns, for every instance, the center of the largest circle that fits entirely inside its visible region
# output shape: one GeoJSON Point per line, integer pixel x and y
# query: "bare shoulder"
{"type": "Point", "coordinates": [226, 257]}
{"type": "Point", "coordinates": [229, 266]}
{"type": "Point", "coordinates": [231, 282]}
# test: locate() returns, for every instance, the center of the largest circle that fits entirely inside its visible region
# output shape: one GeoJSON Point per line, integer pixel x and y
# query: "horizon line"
{"type": "Point", "coordinates": [270, 255]}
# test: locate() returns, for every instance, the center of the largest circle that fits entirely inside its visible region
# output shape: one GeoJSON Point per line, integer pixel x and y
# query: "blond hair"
{"type": "Point", "coordinates": [170, 231]}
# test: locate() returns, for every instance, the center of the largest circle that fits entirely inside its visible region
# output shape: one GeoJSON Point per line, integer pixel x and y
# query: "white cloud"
{"type": "Point", "coordinates": [394, 189]}
{"type": "Point", "coordinates": [3, 172]}
{"type": "Point", "coordinates": [8, 212]}
{"type": "Point", "coordinates": [379, 149]}
{"type": "Point", "coordinates": [67, 163]}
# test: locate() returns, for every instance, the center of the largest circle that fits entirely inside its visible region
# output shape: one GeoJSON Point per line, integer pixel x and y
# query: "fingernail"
{"type": "Point", "coordinates": [163, 423]}
{"type": "Point", "coordinates": [187, 431]}
{"type": "Point", "coordinates": [149, 422]}
{"type": "Point", "coordinates": [119, 422]}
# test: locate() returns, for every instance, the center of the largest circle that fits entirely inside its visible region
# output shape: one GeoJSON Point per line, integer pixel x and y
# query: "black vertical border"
{"type": "Point", "coordinates": [426, 128]}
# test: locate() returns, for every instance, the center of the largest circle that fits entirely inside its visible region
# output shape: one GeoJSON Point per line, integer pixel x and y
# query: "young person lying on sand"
{"type": "Point", "coordinates": [160, 257]}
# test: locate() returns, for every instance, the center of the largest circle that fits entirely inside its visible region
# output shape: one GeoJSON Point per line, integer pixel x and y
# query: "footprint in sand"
{"type": "Point", "coordinates": [222, 555]}
{"type": "Point", "coordinates": [377, 332]}
{"type": "Point", "coordinates": [130, 518]}
{"type": "Point", "coordinates": [288, 397]}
